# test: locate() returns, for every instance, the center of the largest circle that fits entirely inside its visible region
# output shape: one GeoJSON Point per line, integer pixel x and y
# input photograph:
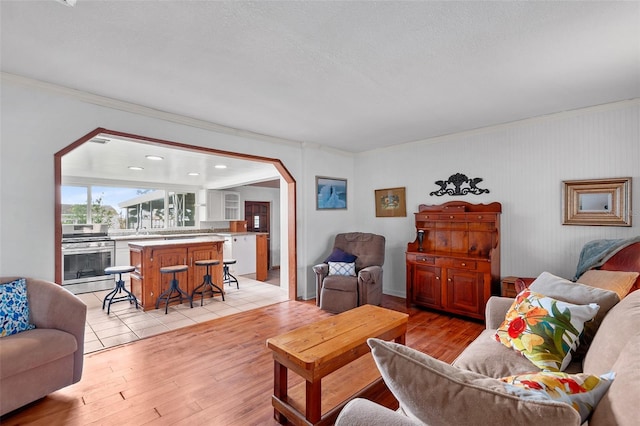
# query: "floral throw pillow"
{"type": "Point", "coordinates": [543, 329]}
{"type": "Point", "coordinates": [14, 308]}
{"type": "Point", "coordinates": [581, 391]}
{"type": "Point", "coordinates": [342, 268]}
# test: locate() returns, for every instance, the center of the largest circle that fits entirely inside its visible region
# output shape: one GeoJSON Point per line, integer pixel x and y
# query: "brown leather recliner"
{"type": "Point", "coordinates": [338, 293]}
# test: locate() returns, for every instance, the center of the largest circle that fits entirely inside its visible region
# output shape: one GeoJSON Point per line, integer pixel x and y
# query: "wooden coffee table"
{"type": "Point", "coordinates": [316, 350]}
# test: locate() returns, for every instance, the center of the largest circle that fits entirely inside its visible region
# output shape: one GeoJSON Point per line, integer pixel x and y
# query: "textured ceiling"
{"type": "Point", "coordinates": [351, 75]}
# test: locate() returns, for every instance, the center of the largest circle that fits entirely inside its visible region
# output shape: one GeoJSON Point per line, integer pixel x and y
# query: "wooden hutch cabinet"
{"type": "Point", "coordinates": [454, 263]}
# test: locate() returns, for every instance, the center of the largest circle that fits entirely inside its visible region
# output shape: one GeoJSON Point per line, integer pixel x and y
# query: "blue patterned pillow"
{"type": "Point", "coordinates": [14, 308]}
{"type": "Point", "coordinates": [342, 268]}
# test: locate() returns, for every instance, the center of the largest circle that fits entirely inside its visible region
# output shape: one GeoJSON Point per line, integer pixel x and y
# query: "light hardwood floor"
{"type": "Point", "coordinates": [214, 373]}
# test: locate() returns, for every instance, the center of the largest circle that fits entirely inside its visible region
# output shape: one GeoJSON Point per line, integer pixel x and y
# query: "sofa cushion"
{"type": "Point", "coordinates": [620, 324]}
{"type": "Point", "coordinates": [579, 294]}
{"type": "Point", "coordinates": [490, 358]}
{"type": "Point", "coordinates": [620, 404]}
{"type": "Point", "coordinates": [14, 308]}
{"type": "Point", "coordinates": [33, 348]}
{"type": "Point", "coordinates": [543, 329]}
{"type": "Point", "coordinates": [581, 391]}
{"type": "Point", "coordinates": [437, 393]}
{"type": "Point", "coordinates": [342, 268]}
{"type": "Point", "coordinates": [338, 255]}
{"type": "Point", "coordinates": [619, 282]}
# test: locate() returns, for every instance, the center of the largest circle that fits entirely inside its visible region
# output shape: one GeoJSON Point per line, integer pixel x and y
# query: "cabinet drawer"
{"type": "Point", "coordinates": [425, 216]}
{"type": "Point", "coordinates": [481, 217]}
{"type": "Point", "coordinates": [452, 217]}
{"type": "Point", "coordinates": [420, 258]}
{"type": "Point", "coordinates": [465, 264]}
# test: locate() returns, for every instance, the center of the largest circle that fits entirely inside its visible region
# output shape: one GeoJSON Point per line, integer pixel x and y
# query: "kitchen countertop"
{"type": "Point", "coordinates": [237, 234]}
{"type": "Point", "coordinates": [178, 241]}
{"type": "Point", "coordinates": [137, 237]}
{"type": "Point", "coordinates": [162, 236]}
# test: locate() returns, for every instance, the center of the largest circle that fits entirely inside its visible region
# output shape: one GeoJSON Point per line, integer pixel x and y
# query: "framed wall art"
{"type": "Point", "coordinates": [391, 202]}
{"type": "Point", "coordinates": [597, 202]}
{"type": "Point", "coordinates": [331, 193]}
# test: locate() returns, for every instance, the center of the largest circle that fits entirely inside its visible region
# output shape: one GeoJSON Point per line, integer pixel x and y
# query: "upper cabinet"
{"type": "Point", "coordinates": [219, 205]}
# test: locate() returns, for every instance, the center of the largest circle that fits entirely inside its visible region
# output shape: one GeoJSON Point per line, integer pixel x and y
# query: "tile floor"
{"type": "Point", "coordinates": [126, 324]}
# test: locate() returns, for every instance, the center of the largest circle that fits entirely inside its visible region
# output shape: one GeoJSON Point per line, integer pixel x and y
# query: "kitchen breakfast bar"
{"type": "Point", "coordinates": [147, 283]}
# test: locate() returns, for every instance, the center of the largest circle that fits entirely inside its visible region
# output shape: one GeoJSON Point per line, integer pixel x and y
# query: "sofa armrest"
{"type": "Point", "coordinates": [362, 412]}
{"type": "Point", "coordinates": [321, 270]}
{"type": "Point", "coordinates": [496, 310]}
{"type": "Point", "coordinates": [52, 306]}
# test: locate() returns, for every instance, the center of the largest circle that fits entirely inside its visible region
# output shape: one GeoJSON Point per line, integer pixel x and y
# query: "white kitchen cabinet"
{"type": "Point", "coordinates": [242, 248]}
{"type": "Point", "coordinates": [219, 205]}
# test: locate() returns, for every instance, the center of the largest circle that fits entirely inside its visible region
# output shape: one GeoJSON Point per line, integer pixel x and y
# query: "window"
{"type": "Point", "coordinates": [182, 209]}
{"type": "Point", "coordinates": [128, 208]}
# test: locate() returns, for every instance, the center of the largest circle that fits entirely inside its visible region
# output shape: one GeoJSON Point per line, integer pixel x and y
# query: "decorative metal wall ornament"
{"type": "Point", "coordinates": [458, 181]}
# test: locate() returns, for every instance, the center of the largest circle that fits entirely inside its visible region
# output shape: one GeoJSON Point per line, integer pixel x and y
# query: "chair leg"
{"type": "Point", "coordinates": [207, 282]}
{"type": "Point", "coordinates": [120, 288]}
{"type": "Point", "coordinates": [167, 295]}
{"type": "Point", "coordinates": [228, 278]}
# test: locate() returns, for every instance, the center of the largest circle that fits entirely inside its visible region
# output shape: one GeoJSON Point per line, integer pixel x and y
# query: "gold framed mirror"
{"type": "Point", "coordinates": [597, 202]}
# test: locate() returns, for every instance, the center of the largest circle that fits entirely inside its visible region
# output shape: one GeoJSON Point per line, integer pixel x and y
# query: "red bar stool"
{"type": "Point", "coordinates": [120, 288]}
{"type": "Point", "coordinates": [174, 287]}
{"type": "Point", "coordinates": [207, 285]}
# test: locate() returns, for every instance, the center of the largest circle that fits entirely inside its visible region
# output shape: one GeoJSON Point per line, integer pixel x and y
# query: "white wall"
{"type": "Point", "coordinates": [39, 120]}
{"type": "Point", "coordinates": [321, 226]}
{"type": "Point", "coordinates": [523, 165]}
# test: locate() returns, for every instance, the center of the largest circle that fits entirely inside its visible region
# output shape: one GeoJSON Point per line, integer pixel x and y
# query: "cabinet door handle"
{"type": "Point", "coordinates": [437, 278]}
{"type": "Point", "coordinates": [450, 217]}
{"type": "Point", "coordinates": [449, 279]}
{"type": "Point", "coordinates": [463, 264]}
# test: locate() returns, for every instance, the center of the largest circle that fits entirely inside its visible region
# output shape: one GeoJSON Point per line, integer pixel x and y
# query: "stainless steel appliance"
{"type": "Point", "coordinates": [86, 251]}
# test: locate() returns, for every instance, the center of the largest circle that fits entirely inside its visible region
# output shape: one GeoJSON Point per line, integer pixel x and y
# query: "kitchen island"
{"type": "Point", "coordinates": [147, 283]}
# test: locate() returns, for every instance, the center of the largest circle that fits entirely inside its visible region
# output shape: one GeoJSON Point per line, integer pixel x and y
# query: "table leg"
{"type": "Point", "coordinates": [313, 401]}
{"type": "Point", "coordinates": [400, 339]}
{"type": "Point", "coordinates": [279, 389]}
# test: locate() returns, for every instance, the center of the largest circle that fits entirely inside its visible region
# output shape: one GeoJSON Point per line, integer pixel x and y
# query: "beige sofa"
{"type": "Point", "coordinates": [615, 347]}
{"type": "Point", "coordinates": [36, 362]}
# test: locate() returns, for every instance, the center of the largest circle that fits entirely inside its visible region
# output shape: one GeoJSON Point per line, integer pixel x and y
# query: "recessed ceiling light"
{"type": "Point", "coordinates": [101, 141]}
{"type": "Point", "coordinates": [136, 168]}
{"type": "Point", "coordinates": [193, 174]}
{"type": "Point", "coordinates": [154, 157]}
{"type": "Point", "coordinates": [220, 166]}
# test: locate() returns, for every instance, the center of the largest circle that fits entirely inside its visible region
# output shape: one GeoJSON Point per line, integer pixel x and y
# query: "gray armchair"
{"type": "Point", "coordinates": [338, 293]}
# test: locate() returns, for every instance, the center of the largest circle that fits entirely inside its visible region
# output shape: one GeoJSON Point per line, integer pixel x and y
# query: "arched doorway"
{"type": "Point", "coordinates": [288, 191]}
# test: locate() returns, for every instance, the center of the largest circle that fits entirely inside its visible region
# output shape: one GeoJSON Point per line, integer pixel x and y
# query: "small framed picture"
{"type": "Point", "coordinates": [391, 202]}
{"type": "Point", "coordinates": [605, 202]}
{"type": "Point", "coordinates": [331, 193]}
